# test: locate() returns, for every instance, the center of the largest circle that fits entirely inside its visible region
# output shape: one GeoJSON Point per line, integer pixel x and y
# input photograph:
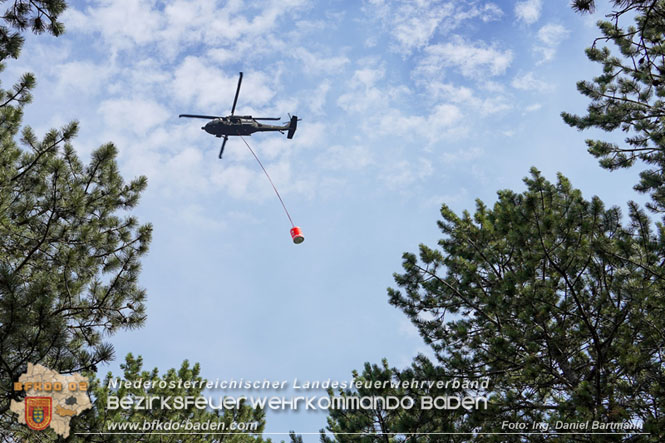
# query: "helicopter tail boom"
{"type": "Point", "coordinates": [292, 127]}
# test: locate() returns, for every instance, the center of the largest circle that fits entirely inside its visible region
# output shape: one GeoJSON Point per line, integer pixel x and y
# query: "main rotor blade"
{"type": "Point", "coordinates": [221, 151]}
{"type": "Point", "coordinates": [209, 117]}
{"type": "Point", "coordinates": [266, 118]}
{"type": "Point", "coordinates": [235, 100]}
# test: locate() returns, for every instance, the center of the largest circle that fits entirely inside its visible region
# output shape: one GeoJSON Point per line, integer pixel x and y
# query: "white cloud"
{"type": "Point", "coordinates": [368, 77]}
{"type": "Point", "coordinates": [318, 98]}
{"type": "Point", "coordinates": [552, 34]}
{"type": "Point", "coordinates": [158, 59]}
{"type": "Point", "coordinates": [127, 24]}
{"type": "Point", "coordinates": [199, 82]}
{"type": "Point", "coordinates": [239, 181]}
{"type": "Point", "coordinates": [413, 24]}
{"type": "Point", "coordinates": [451, 92]}
{"type": "Point", "coordinates": [122, 23]}
{"type": "Point", "coordinates": [472, 59]}
{"type": "Point", "coordinates": [528, 11]}
{"type": "Point", "coordinates": [533, 107]}
{"type": "Point", "coordinates": [185, 168]}
{"type": "Point", "coordinates": [316, 64]}
{"type": "Point", "coordinates": [550, 37]}
{"type": "Point", "coordinates": [186, 56]}
{"type": "Point", "coordinates": [528, 82]}
{"type": "Point", "coordinates": [445, 115]}
{"type": "Point", "coordinates": [196, 216]}
{"type": "Point", "coordinates": [224, 56]}
{"type": "Point", "coordinates": [463, 155]}
{"type": "Point", "coordinates": [487, 13]}
{"type": "Point", "coordinates": [493, 105]}
{"type": "Point", "coordinates": [363, 91]}
{"type": "Point", "coordinates": [144, 77]}
{"type": "Point", "coordinates": [311, 135]}
{"type": "Point", "coordinates": [415, 28]}
{"type": "Point", "coordinates": [400, 174]}
{"type": "Point", "coordinates": [82, 77]}
{"type": "Point", "coordinates": [246, 180]}
{"type": "Point", "coordinates": [467, 97]}
{"type": "Point", "coordinates": [360, 101]}
{"type": "Point", "coordinates": [136, 115]}
{"type": "Point", "coordinates": [340, 157]}
{"type": "Point", "coordinates": [444, 121]}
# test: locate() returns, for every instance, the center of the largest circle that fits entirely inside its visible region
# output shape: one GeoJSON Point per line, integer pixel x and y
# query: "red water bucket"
{"type": "Point", "coordinates": [296, 235]}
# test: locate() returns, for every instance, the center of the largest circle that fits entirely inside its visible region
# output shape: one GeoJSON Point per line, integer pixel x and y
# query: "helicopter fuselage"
{"type": "Point", "coordinates": [239, 125]}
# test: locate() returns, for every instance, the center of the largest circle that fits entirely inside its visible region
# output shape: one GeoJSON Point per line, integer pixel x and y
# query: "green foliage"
{"type": "Point", "coordinates": [341, 422]}
{"type": "Point", "coordinates": [623, 6]}
{"type": "Point", "coordinates": [553, 297]}
{"type": "Point", "coordinates": [628, 95]}
{"type": "Point", "coordinates": [94, 425]}
{"type": "Point", "coordinates": [295, 438]}
{"type": "Point", "coordinates": [69, 263]}
{"type": "Point", "coordinates": [97, 419]}
{"type": "Point", "coordinates": [37, 15]}
{"type": "Point", "coordinates": [69, 250]}
{"type": "Point", "coordinates": [70, 255]}
{"type": "Point", "coordinates": [396, 425]}
{"type": "Point", "coordinates": [548, 295]}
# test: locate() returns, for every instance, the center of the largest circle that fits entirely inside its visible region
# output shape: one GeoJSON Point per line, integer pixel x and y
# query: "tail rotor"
{"type": "Point", "coordinates": [292, 126]}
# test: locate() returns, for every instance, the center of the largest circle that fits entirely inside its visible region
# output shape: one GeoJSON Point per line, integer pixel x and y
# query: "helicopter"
{"type": "Point", "coordinates": [235, 125]}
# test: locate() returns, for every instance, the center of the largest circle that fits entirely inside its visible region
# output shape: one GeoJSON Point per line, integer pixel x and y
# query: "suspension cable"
{"type": "Point", "coordinates": [269, 179]}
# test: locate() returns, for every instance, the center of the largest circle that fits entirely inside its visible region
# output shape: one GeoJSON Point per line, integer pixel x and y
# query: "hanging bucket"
{"type": "Point", "coordinates": [296, 235]}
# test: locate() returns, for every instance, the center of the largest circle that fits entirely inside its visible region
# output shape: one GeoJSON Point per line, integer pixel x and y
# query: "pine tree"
{"type": "Point", "coordinates": [69, 260]}
{"type": "Point", "coordinates": [415, 423]}
{"type": "Point", "coordinates": [553, 299]}
{"type": "Point", "coordinates": [107, 425]}
{"type": "Point", "coordinates": [97, 419]}
{"type": "Point", "coordinates": [548, 294]}
{"type": "Point", "coordinates": [37, 15]}
{"type": "Point", "coordinates": [628, 95]}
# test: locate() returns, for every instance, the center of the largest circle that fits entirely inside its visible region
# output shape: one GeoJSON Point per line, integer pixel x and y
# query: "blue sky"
{"type": "Point", "coordinates": [404, 104]}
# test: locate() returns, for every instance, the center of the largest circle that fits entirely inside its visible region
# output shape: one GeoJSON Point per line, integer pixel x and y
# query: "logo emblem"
{"type": "Point", "coordinates": [38, 412]}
